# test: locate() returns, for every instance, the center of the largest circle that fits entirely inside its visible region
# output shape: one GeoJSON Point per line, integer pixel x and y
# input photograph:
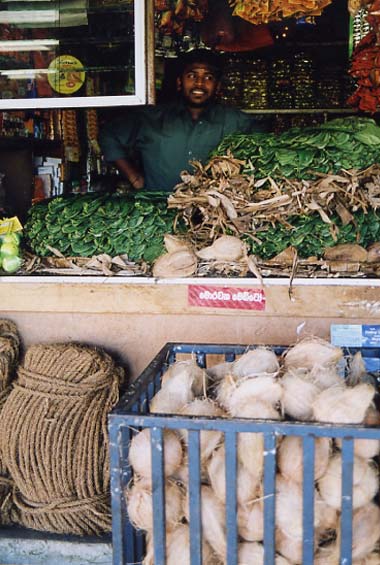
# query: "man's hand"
{"type": "Point", "coordinates": [137, 182]}
{"type": "Point", "coordinates": [130, 172]}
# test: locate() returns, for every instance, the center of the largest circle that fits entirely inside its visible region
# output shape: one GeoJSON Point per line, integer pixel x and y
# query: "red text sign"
{"type": "Point", "coordinates": [226, 297]}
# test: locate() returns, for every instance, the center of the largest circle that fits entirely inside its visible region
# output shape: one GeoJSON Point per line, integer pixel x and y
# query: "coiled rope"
{"type": "Point", "coordinates": [54, 439]}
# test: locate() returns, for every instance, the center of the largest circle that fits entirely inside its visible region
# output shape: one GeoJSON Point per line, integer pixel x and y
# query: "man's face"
{"type": "Point", "coordinates": [198, 84]}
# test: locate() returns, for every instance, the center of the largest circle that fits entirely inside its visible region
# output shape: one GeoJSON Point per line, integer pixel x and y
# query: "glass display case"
{"type": "Point", "coordinates": [74, 53]}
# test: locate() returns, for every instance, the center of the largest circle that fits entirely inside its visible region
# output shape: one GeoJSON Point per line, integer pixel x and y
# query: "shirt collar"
{"type": "Point", "coordinates": [208, 114]}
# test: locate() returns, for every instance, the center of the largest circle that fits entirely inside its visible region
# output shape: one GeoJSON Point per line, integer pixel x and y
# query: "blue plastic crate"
{"type": "Point", "coordinates": [132, 414]}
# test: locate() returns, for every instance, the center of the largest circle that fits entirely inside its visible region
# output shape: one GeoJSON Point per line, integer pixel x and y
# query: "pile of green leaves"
{"type": "Point", "coordinates": [310, 235]}
{"type": "Point", "coordinates": [343, 143]}
{"type": "Point", "coordinates": [87, 225]}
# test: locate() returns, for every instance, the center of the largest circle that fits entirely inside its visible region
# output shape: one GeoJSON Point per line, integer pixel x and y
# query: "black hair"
{"type": "Point", "coordinates": [206, 56]}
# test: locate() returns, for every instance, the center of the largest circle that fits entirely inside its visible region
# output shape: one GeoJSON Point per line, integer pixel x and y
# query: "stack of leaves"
{"type": "Point", "coordinates": [271, 215]}
{"type": "Point", "coordinates": [259, 12]}
{"type": "Point", "coordinates": [343, 143]}
{"type": "Point", "coordinates": [94, 224]}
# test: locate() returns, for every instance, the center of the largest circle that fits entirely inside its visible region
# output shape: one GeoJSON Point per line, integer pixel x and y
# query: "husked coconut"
{"type": "Point", "coordinates": [219, 371]}
{"type": "Point", "coordinates": [175, 243]}
{"type": "Point", "coordinates": [289, 505]}
{"type": "Point", "coordinates": [247, 483]}
{"type": "Point", "coordinates": [173, 395]}
{"type": "Point", "coordinates": [181, 263]}
{"type": "Point", "coordinates": [365, 531]}
{"type": "Point", "coordinates": [256, 362]}
{"type": "Point", "coordinates": [373, 255]}
{"type": "Point", "coordinates": [140, 453]}
{"type": "Point", "coordinates": [225, 248]}
{"type": "Point", "coordinates": [346, 252]}
{"type": "Point", "coordinates": [365, 482]}
{"type": "Point", "coordinates": [290, 457]}
{"type": "Point", "coordinates": [263, 389]}
{"type": "Point", "coordinates": [251, 445]}
{"type": "Point", "coordinates": [197, 376]}
{"type": "Point", "coordinates": [209, 439]}
{"type": "Point", "coordinates": [178, 548]}
{"type": "Point", "coordinates": [250, 517]}
{"type": "Point", "coordinates": [299, 392]}
{"type": "Point", "coordinates": [325, 377]}
{"type": "Point", "coordinates": [312, 352]}
{"type": "Point", "coordinates": [343, 405]}
{"type": "Point", "coordinates": [140, 506]}
{"type": "Point", "coordinates": [290, 548]}
{"type": "Point", "coordinates": [213, 520]}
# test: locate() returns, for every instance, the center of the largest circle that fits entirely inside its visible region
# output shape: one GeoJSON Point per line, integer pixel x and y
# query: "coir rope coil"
{"type": "Point", "coordinates": [54, 441]}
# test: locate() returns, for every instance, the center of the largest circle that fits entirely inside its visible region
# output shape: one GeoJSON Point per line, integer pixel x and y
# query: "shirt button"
{"type": "Point", "coordinates": [190, 152]}
{"type": "Point", "coordinates": [200, 123]}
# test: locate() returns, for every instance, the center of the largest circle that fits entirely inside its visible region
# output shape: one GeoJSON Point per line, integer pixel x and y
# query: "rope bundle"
{"type": "Point", "coordinates": [9, 354]}
{"type": "Point", "coordinates": [54, 440]}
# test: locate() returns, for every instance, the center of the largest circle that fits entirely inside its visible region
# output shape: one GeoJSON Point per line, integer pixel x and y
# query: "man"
{"type": "Point", "coordinates": [168, 136]}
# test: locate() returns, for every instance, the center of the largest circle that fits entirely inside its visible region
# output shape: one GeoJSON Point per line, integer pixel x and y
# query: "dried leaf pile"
{"type": "Point", "coordinates": [218, 199]}
{"type": "Point", "coordinates": [264, 11]}
{"type": "Point", "coordinates": [98, 265]}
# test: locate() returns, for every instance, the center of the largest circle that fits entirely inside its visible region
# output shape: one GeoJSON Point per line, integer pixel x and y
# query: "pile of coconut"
{"type": "Point", "coordinates": [304, 383]}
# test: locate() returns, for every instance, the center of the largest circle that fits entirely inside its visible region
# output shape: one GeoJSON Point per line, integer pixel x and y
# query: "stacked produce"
{"type": "Point", "coordinates": [343, 143]}
{"type": "Point", "coordinates": [10, 252]}
{"type": "Point", "coordinates": [271, 215]}
{"type": "Point", "coordinates": [303, 384]}
{"type": "Point", "coordinates": [94, 224]}
{"type": "Point", "coordinates": [273, 10]}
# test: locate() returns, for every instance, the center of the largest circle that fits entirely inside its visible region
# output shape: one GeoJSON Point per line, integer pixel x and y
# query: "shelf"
{"type": "Point", "coordinates": [19, 142]}
{"type": "Point", "coordinates": [301, 111]}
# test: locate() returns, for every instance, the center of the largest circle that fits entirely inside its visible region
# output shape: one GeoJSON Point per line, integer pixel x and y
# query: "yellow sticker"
{"type": "Point", "coordinates": [10, 225]}
{"type": "Point", "coordinates": [66, 74]}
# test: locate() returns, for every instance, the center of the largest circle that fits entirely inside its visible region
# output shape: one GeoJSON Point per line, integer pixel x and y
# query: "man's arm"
{"type": "Point", "coordinates": [130, 172]}
{"type": "Point", "coordinates": [117, 141]}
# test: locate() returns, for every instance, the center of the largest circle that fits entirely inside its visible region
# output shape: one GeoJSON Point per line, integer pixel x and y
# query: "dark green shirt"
{"type": "Point", "coordinates": [167, 138]}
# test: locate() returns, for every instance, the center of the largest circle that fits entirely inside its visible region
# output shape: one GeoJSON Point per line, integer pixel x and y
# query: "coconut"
{"type": "Point", "coordinates": [225, 389]}
{"type": "Point", "coordinates": [219, 371]}
{"type": "Point", "coordinates": [140, 453]}
{"type": "Point", "coordinates": [346, 252]}
{"type": "Point", "coordinates": [250, 519]}
{"type": "Point", "coordinates": [289, 504]}
{"type": "Point", "coordinates": [180, 263]}
{"type": "Point", "coordinates": [249, 553]}
{"type": "Point", "coordinates": [312, 352]}
{"type": "Point", "coordinates": [225, 248]}
{"type": "Point", "coordinates": [140, 507]}
{"type": "Point", "coordinates": [365, 482]}
{"type": "Point", "coordinates": [290, 548]}
{"type": "Point", "coordinates": [179, 384]}
{"type": "Point", "coordinates": [251, 445]}
{"type": "Point", "coordinates": [325, 377]}
{"type": "Point", "coordinates": [256, 362]}
{"type": "Point", "coordinates": [327, 555]}
{"type": "Point", "coordinates": [213, 520]}
{"type": "Point", "coordinates": [178, 548]}
{"type": "Point", "coordinates": [210, 439]}
{"type": "Point", "coordinates": [374, 255]}
{"type": "Point", "coordinates": [356, 369]}
{"type": "Point", "coordinates": [175, 243]}
{"type": "Point", "coordinates": [365, 531]}
{"type": "Point", "coordinates": [299, 391]}
{"type": "Point", "coordinates": [197, 376]}
{"type": "Point", "coordinates": [264, 389]}
{"type": "Point", "coordinates": [290, 457]}
{"type": "Point", "coordinates": [247, 482]}
{"type": "Point", "coordinates": [343, 405]}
